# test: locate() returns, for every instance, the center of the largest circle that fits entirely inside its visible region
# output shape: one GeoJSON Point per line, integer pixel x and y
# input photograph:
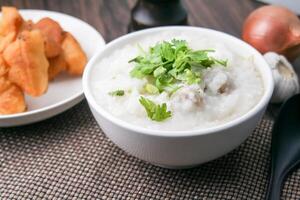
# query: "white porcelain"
{"type": "Point", "coordinates": [185, 148]}
{"type": "Point", "coordinates": [65, 91]}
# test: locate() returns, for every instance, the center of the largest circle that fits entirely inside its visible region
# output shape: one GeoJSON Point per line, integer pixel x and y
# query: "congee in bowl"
{"type": "Point", "coordinates": [177, 81]}
{"type": "Point", "coordinates": [177, 96]}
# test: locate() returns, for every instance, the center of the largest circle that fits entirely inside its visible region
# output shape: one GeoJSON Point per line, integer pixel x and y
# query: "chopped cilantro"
{"type": "Point", "coordinates": [154, 111]}
{"type": "Point", "coordinates": [151, 89]}
{"type": "Point", "coordinates": [168, 64]}
{"type": "Point", "coordinates": [117, 93]}
{"type": "Point", "coordinates": [191, 77]}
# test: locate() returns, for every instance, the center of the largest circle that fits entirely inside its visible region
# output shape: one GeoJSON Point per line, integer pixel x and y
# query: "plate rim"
{"type": "Point", "coordinates": [69, 99]}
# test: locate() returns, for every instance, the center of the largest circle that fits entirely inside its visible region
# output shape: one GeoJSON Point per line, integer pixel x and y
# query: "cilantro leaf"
{"type": "Point", "coordinates": [159, 71]}
{"type": "Point", "coordinates": [151, 89]}
{"type": "Point", "coordinates": [136, 59]}
{"type": "Point", "coordinates": [167, 51]}
{"type": "Point", "coordinates": [221, 62]}
{"type": "Point", "coordinates": [117, 93]}
{"type": "Point", "coordinates": [163, 81]}
{"type": "Point", "coordinates": [191, 77]}
{"type": "Point", "coordinates": [168, 64]}
{"type": "Point", "coordinates": [180, 45]}
{"type": "Point", "coordinates": [154, 111]}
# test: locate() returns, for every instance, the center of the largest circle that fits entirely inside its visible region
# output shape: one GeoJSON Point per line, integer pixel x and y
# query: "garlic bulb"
{"type": "Point", "coordinates": [285, 78]}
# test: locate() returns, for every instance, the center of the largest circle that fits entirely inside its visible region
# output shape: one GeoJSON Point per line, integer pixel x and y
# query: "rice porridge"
{"type": "Point", "coordinates": [176, 81]}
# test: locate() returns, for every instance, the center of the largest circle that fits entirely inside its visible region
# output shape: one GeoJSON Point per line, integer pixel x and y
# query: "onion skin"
{"type": "Point", "coordinates": [273, 28]}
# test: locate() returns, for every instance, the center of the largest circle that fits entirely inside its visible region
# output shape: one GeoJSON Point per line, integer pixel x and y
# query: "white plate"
{"type": "Point", "coordinates": [65, 91]}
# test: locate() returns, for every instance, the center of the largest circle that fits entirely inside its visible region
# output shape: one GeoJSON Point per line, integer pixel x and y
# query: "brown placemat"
{"type": "Point", "coordinates": [68, 157]}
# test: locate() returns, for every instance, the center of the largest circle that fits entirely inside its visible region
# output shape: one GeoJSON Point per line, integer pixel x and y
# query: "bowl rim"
{"type": "Point", "coordinates": [185, 133]}
{"type": "Point", "coordinates": [76, 95]}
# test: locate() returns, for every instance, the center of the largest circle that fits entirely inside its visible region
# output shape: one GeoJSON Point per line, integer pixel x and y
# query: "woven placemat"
{"type": "Point", "coordinates": [68, 157]}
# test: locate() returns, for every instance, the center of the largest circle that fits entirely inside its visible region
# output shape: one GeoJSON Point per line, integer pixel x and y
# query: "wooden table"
{"type": "Point", "coordinates": [111, 17]}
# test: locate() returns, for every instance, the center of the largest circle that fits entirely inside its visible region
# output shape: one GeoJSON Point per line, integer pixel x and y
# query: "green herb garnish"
{"type": "Point", "coordinates": [117, 93]}
{"type": "Point", "coordinates": [151, 89]}
{"type": "Point", "coordinates": [154, 111]}
{"type": "Point", "coordinates": [167, 64]}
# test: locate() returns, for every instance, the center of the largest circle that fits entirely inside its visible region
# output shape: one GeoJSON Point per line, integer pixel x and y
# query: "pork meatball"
{"type": "Point", "coordinates": [217, 81]}
{"type": "Point", "coordinates": [188, 98]}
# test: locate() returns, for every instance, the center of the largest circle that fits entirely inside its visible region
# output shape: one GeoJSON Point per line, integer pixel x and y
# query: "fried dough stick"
{"type": "Point", "coordinates": [11, 96]}
{"type": "Point", "coordinates": [10, 24]}
{"type": "Point", "coordinates": [56, 66]}
{"type": "Point", "coordinates": [52, 34]}
{"type": "Point", "coordinates": [74, 55]}
{"type": "Point", "coordinates": [28, 63]}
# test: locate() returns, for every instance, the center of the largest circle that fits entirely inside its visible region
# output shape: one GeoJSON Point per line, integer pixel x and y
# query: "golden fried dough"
{"type": "Point", "coordinates": [56, 66]}
{"type": "Point", "coordinates": [3, 67]}
{"type": "Point", "coordinates": [28, 63]}
{"type": "Point", "coordinates": [74, 55]}
{"type": "Point", "coordinates": [52, 33]}
{"type": "Point", "coordinates": [27, 25]}
{"type": "Point", "coordinates": [6, 40]}
{"type": "Point", "coordinates": [9, 27]}
{"type": "Point", "coordinates": [32, 54]}
{"type": "Point", "coordinates": [4, 83]}
{"type": "Point", "coordinates": [11, 20]}
{"type": "Point", "coordinates": [11, 98]}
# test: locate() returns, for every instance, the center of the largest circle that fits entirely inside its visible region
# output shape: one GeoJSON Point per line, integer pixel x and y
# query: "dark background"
{"type": "Point", "coordinates": [111, 17]}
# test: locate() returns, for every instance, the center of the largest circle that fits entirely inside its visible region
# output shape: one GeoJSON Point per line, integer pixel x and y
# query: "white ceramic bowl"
{"type": "Point", "coordinates": [184, 148]}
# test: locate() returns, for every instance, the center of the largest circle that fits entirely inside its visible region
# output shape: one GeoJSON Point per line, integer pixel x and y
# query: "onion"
{"type": "Point", "coordinates": [273, 28]}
